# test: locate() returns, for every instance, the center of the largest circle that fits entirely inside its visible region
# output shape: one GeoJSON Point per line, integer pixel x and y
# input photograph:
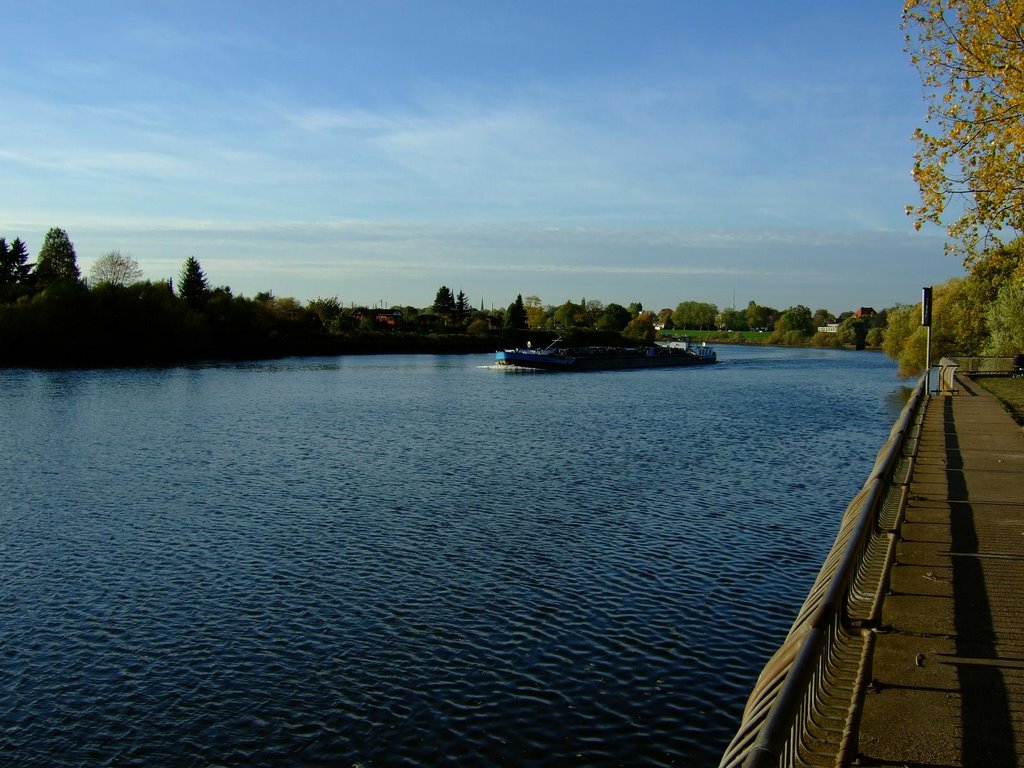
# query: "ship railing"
{"type": "Point", "coordinates": [806, 705]}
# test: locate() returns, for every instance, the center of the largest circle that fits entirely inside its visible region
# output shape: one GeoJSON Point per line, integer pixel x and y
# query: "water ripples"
{"type": "Point", "coordinates": [409, 561]}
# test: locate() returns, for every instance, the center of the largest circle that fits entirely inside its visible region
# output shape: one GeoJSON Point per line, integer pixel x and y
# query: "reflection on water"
{"type": "Point", "coordinates": [413, 560]}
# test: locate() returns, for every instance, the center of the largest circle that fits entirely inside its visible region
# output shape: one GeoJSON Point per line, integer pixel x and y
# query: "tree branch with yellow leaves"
{"type": "Point", "coordinates": [970, 154]}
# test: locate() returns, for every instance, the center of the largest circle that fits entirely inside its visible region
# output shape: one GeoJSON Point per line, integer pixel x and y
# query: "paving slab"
{"type": "Point", "coordinates": [948, 667]}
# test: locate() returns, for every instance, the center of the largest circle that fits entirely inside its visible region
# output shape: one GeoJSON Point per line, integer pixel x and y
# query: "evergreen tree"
{"type": "Point", "coordinates": [18, 255]}
{"type": "Point", "coordinates": [5, 267]}
{"type": "Point", "coordinates": [444, 301]}
{"type": "Point", "coordinates": [8, 269]}
{"type": "Point", "coordinates": [461, 305]}
{"type": "Point", "coordinates": [515, 316]}
{"type": "Point", "coordinates": [192, 285]}
{"type": "Point", "coordinates": [57, 262]}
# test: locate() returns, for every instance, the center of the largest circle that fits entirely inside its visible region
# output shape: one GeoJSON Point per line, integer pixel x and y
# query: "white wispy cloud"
{"type": "Point", "coordinates": [319, 120]}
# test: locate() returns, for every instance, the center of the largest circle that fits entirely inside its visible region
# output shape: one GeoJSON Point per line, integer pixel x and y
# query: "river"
{"type": "Point", "coordinates": [413, 560]}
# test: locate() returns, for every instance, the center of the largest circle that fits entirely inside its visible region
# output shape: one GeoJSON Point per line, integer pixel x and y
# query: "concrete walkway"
{"type": "Point", "coordinates": [948, 668]}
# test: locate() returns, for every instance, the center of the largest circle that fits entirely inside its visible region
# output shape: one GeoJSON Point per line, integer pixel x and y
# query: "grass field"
{"type": "Point", "coordinates": [1010, 392]}
{"type": "Point", "coordinates": [726, 337]}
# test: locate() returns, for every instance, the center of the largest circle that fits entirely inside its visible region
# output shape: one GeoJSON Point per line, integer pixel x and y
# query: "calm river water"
{"type": "Point", "coordinates": [402, 560]}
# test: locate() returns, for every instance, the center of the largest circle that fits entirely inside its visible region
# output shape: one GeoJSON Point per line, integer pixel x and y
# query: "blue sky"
{"type": "Point", "coordinates": [652, 151]}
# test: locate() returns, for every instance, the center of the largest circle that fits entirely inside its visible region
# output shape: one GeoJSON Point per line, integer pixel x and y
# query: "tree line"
{"type": "Point", "coordinates": [793, 326]}
{"type": "Point", "coordinates": [50, 315]}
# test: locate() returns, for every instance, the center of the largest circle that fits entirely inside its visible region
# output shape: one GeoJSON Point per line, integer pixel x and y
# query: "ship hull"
{"type": "Point", "coordinates": [603, 358]}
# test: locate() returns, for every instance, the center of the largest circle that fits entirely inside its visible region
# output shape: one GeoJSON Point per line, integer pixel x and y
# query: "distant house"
{"type": "Point", "coordinates": [830, 328]}
{"type": "Point", "coordinates": [865, 312]}
{"type": "Point", "coordinates": [390, 318]}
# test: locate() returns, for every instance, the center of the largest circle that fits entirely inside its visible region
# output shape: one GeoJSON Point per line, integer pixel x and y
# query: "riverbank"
{"type": "Point", "coordinates": [117, 346]}
{"type": "Point", "coordinates": [757, 338]}
{"type": "Point", "coordinates": [147, 325]}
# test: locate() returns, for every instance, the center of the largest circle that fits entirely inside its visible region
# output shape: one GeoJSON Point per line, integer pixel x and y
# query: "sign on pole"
{"type": "Point", "coordinates": [926, 307]}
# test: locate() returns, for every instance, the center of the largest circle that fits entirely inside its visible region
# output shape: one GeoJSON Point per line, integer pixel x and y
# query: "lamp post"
{"type": "Point", "coordinates": [926, 321]}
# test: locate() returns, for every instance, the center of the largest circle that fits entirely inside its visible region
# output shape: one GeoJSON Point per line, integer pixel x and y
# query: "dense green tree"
{"type": "Point", "coordinates": [614, 317]}
{"type": "Point", "coordinates": [192, 285]}
{"type": "Point", "coordinates": [852, 331]}
{"type": "Point", "coordinates": [641, 328]}
{"type": "Point", "coordinates": [996, 268]}
{"type": "Point", "coordinates": [57, 261]}
{"type": "Point", "coordinates": [479, 326]}
{"type": "Point", "coordinates": [115, 268]}
{"type": "Point", "coordinates": [288, 306]}
{"type": "Point", "coordinates": [515, 316]}
{"type": "Point", "coordinates": [694, 315]}
{"type": "Point", "coordinates": [536, 317]}
{"type": "Point", "coordinates": [961, 328]}
{"type": "Point", "coordinates": [822, 317]}
{"type": "Point", "coordinates": [570, 315]}
{"type": "Point", "coordinates": [759, 317]}
{"type": "Point", "coordinates": [796, 319]}
{"type": "Point", "coordinates": [328, 312]}
{"type": "Point", "coordinates": [968, 317]}
{"type": "Point", "coordinates": [792, 338]}
{"type": "Point", "coordinates": [905, 339]}
{"type": "Point", "coordinates": [635, 308]}
{"type": "Point", "coordinates": [732, 319]}
{"type": "Point", "coordinates": [1006, 322]}
{"type": "Point", "coordinates": [591, 310]}
{"type": "Point", "coordinates": [825, 339]}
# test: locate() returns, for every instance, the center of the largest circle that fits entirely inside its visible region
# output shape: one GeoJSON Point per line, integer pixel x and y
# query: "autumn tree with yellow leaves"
{"type": "Point", "coordinates": [970, 155]}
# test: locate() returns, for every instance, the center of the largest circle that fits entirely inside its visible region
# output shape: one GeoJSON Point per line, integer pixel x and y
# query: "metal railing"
{"type": "Point", "coordinates": [806, 705]}
{"type": "Point", "coordinates": [982, 364]}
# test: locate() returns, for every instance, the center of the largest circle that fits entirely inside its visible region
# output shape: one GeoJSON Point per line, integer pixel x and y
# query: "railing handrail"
{"type": "Point", "coordinates": [773, 709]}
{"type": "Point", "coordinates": [981, 363]}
